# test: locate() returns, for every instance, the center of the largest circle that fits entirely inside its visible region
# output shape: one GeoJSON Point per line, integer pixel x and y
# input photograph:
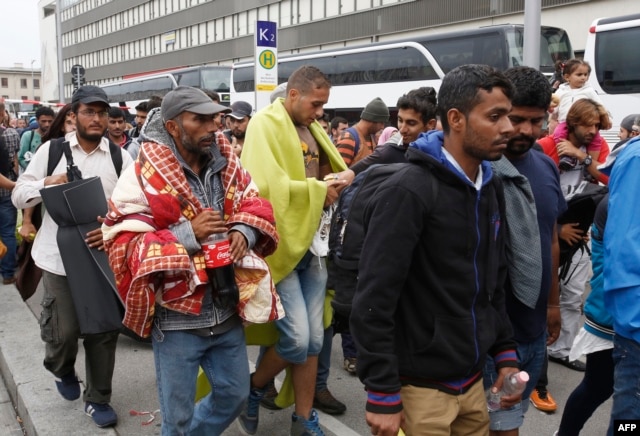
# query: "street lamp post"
{"type": "Point", "coordinates": [33, 87]}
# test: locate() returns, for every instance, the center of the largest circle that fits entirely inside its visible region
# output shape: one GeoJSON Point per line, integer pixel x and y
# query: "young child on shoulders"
{"type": "Point", "coordinates": [575, 72]}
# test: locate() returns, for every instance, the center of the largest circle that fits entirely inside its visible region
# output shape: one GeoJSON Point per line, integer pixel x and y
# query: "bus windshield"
{"type": "Point", "coordinates": [216, 79]}
{"type": "Point", "coordinates": [554, 46]}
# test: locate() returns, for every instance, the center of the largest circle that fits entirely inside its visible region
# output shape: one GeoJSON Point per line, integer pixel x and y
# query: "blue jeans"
{"type": "Point", "coordinates": [531, 357]}
{"type": "Point", "coordinates": [302, 295]}
{"type": "Point", "coordinates": [324, 360]}
{"type": "Point", "coordinates": [348, 346]}
{"type": "Point", "coordinates": [8, 218]}
{"type": "Point", "coordinates": [223, 359]}
{"type": "Point", "coordinates": [626, 383]}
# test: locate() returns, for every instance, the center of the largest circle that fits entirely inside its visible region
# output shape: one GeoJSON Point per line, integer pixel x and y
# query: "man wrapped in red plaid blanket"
{"type": "Point", "coordinates": [186, 185]}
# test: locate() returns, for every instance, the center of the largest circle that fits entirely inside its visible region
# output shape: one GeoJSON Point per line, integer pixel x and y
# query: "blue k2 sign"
{"type": "Point", "coordinates": [267, 31]}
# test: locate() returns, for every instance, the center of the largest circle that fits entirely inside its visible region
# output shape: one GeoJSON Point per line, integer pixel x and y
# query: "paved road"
{"type": "Point", "coordinates": [45, 413]}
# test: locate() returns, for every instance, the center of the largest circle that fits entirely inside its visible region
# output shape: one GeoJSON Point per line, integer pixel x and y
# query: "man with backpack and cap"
{"type": "Point", "coordinates": [59, 323]}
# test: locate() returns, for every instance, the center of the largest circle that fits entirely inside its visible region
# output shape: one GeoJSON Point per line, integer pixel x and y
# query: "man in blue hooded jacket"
{"type": "Point", "coordinates": [430, 302]}
{"type": "Point", "coordinates": [622, 281]}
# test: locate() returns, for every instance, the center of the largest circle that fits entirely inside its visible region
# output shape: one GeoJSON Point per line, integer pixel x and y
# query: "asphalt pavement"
{"type": "Point", "coordinates": [34, 401]}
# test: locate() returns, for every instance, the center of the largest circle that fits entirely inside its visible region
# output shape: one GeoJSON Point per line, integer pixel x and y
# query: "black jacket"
{"type": "Point", "coordinates": [430, 299]}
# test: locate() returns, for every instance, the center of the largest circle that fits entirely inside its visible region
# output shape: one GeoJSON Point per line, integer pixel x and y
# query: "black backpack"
{"type": "Point", "coordinates": [581, 209]}
{"type": "Point", "coordinates": [347, 233]}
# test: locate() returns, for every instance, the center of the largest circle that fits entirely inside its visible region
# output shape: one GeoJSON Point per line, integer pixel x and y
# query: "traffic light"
{"type": "Point", "coordinates": [74, 81]}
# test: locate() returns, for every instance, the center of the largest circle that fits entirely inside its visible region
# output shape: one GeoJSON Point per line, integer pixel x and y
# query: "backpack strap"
{"type": "Point", "coordinates": [56, 150]}
{"type": "Point", "coordinates": [356, 137]}
{"type": "Point", "coordinates": [33, 134]}
{"type": "Point", "coordinates": [116, 156]}
{"type": "Point", "coordinates": [55, 154]}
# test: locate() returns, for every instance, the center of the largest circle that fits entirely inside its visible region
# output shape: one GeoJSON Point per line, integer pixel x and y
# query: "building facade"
{"type": "Point", "coordinates": [112, 39]}
{"type": "Point", "coordinates": [20, 83]}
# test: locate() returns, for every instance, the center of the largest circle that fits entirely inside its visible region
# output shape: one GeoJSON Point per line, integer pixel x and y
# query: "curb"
{"type": "Point", "coordinates": [30, 387]}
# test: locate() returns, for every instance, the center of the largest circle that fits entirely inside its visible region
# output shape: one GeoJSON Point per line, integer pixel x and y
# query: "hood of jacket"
{"type": "Point", "coordinates": [430, 144]}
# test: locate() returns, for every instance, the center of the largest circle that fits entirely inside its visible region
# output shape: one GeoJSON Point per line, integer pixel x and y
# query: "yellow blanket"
{"type": "Point", "coordinates": [273, 156]}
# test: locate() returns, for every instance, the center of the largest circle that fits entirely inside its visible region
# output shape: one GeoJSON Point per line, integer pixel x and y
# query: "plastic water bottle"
{"type": "Point", "coordinates": [219, 266]}
{"type": "Point", "coordinates": [512, 385]}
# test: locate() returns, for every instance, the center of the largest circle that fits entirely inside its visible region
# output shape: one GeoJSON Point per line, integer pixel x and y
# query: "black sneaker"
{"type": "Point", "coordinates": [323, 400]}
{"type": "Point", "coordinates": [103, 414]}
{"type": "Point", "coordinates": [575, 365]}
{"type": "Point", "coordinates": [69, 386]}
{"type": "Point", "coordinates": [269, 399]}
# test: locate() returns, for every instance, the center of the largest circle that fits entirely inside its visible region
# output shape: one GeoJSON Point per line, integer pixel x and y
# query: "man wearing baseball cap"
{"type": "Point", "coordinates": [190, 188]}
{"type": "Point", "coordinates": [241, 113]}
{"type": "Point", "coordinates": [59, 325]}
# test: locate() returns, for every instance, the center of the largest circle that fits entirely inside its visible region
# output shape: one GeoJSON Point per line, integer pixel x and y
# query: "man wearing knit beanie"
{"type": "Point", "coordinates": [358, 141]}
{"type": "Point", "coordinates": [626, 127]}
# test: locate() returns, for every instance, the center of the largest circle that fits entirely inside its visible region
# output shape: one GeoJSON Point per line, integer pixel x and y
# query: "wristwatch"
{"type": "Point", "coordinates": [587, 160]}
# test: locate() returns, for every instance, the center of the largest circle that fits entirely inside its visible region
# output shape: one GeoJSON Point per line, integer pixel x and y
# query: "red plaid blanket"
{"type": "Point", "coordinates": [149, 263]}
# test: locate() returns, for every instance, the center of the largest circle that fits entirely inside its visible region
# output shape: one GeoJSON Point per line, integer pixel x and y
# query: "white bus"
{"type": "Point", "coordinates": [612, 52]}
{"type": "Point", "coordinates": [129, 92]}
{"type": "Point", "coordinates": [26, 108]}
{"type": "Point", "coordinates": [390, 69]}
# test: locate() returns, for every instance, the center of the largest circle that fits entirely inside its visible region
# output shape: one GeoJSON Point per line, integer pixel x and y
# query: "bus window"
{"type": "Point", "coordinates": [188, 78]}
{"type": "Point", "coordinates": [483, 48]}
{"type": "Point", "coordinates": [243, 80]}
{"type": "Point", "coordinates": [616, 70]}
{"type": "Point", "coordinates": [159, 85]}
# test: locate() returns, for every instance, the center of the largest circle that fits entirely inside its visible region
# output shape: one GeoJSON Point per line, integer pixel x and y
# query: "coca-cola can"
{"type": "Point", "coordinates": [216, 255]}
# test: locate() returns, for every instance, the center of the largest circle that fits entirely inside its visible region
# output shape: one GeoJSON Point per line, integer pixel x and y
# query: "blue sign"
{"type": "Point", "coordinates": [266, 34]}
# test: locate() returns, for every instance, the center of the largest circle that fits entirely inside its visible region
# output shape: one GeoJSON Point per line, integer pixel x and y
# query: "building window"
{"type": "Point", "coordinates": [36, 83]}
{"type": "Point", "coordinates": [24, 97]}
{"type": "Point", "coordinates": [37, 98]}
{"type": "Point", "coordinates": [5, 82]}
{"type": "Point", "coordinates": [23, 83]}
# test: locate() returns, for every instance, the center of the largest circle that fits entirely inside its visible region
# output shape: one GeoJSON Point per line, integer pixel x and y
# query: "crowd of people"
{"type": "Point", "coordinates": [476, 253]}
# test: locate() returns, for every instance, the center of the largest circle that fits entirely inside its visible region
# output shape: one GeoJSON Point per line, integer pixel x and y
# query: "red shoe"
{"type": "Point", "coordinates": [542, 400]}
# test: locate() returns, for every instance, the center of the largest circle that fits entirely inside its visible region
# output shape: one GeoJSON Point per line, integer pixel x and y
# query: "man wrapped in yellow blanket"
{"type": "Point", "coordinates": [289, 156]}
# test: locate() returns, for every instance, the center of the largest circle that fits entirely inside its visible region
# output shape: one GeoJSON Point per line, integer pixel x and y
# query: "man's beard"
{"type": "Point", "coordinates": [91, 137]}
{"type": "Point", "coordinates": [519, 145]}
{"type": "Point", "coordinates": [239, 134]}
{"type": "Point", "coordinates": [195, 147]}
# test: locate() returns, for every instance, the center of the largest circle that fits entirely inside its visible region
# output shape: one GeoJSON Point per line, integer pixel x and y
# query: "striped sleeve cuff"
{"type": "Point", "coordinates": [378, 402]}
{"type": "Point", "coordinates": [506, 358]}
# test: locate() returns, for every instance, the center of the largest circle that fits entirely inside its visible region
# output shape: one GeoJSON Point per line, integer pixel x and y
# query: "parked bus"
{"type": "Point", "coordinates": [25, 108]}
{"type": "Point", "coordinates": [615, 67]}
{"type": "Point", "coordinates": [128, 93]}
{"type": "Point", "coordinates": [390, 69]}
